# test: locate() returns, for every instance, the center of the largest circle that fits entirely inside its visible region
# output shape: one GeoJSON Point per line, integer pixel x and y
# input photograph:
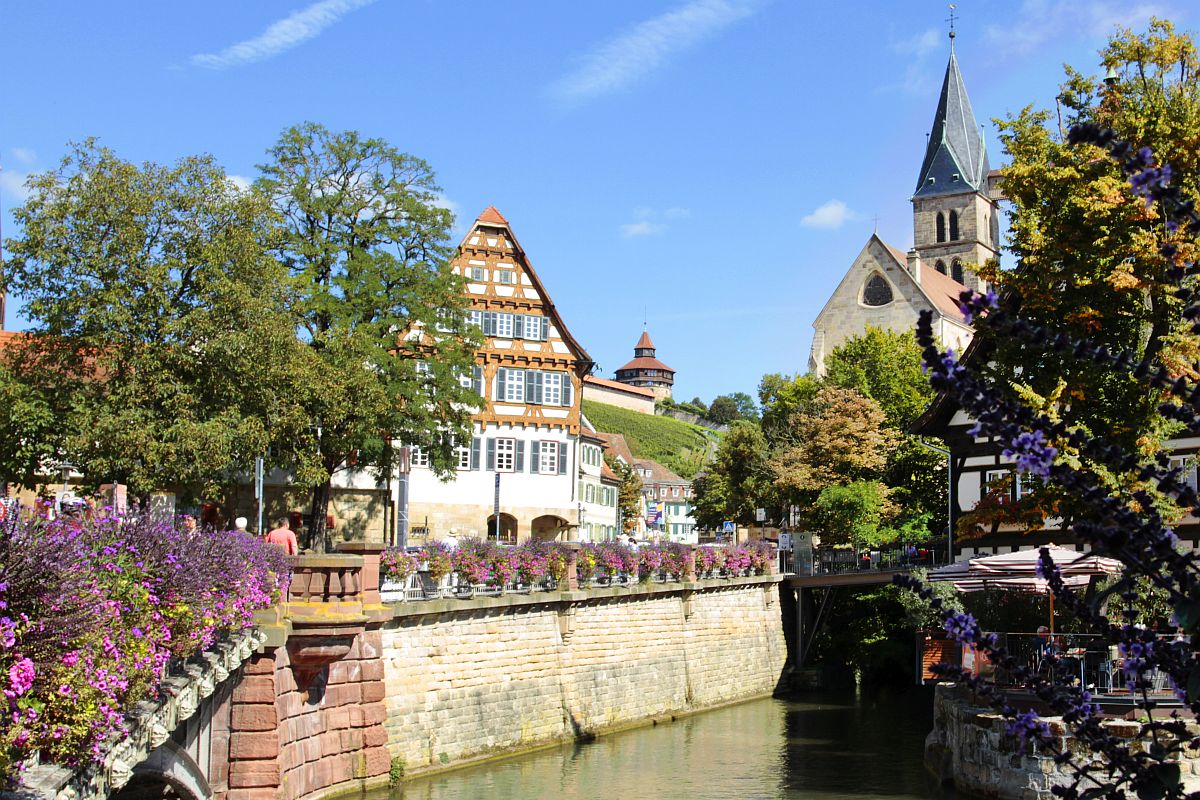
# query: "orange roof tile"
{"type": "Point", "coordinates": [943, 291]}
{"type": "Point", "coordinates": [644, 342]}
{"type": "Point", "coordinates": [645, 362]}
{"type": "Point", "coordinates": [605, 383]}
{"type": "Point", "coordinates": [490, 214]}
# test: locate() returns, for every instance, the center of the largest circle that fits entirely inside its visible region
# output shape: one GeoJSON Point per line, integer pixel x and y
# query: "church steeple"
{"type": "Point", "coordinates": [956, 222]}
{"type": "Point", "coordinates": [955, 157]}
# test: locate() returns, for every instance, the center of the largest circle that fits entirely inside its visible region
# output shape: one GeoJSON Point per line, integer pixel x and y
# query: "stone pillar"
{"type": "Point", "coordinates": [254, 749]}
{"type": "Point", "coordinates": [571, 582]}
{"type": "Point", "coordinates": [370, 553]}
{"type": "Point", "coordinates": [689, 564]}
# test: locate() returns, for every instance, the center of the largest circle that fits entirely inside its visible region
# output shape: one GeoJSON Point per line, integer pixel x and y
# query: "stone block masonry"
{"type": "Point", "coordinates": [466, 680]}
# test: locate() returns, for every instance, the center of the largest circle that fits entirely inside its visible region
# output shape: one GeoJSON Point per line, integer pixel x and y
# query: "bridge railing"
{"type": "Point", "coordinates": [830, 561]}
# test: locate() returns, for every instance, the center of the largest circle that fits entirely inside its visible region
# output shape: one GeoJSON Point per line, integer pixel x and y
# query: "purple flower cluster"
{"type": "Point", "coordinates": [94, 612]}
{"type": "Point", "coordinates": [1032, 453]}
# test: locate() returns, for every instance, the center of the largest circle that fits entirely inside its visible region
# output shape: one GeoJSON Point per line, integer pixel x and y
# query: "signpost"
{"type": "Point", "coordinates": [496, 509]}
{"type": "Point", "coordinates": [403, 467]}
{"type": "Point", "coordinates": [258, 492]}
{"type": "Point", "coordinates": [727, 526]}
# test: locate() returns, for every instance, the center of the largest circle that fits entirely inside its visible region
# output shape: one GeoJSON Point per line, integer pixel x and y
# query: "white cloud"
{"type": "Point", "coordinates": [632, 230]}
{"type": "Point", "coordinates": [648, 45]}
{"type": "Point", "coordinates": [1040, 21]}
{"type": "Point", "coordinates": [918, 79]}
{"type": "Point", "coordinates": [830, 215]}
{"type": "Point", "coordinates": [441, 201]}
{"type": "Point", "coordinates": [13, 184]}
{"type": "Point", "coordinates": [24, 156]}
{"type": "Point", "coordinates": [240, 181]}
{"type": "Point", "coordinates": [284, 34]}
{"type": "Point", "coordinates": [648, 221]}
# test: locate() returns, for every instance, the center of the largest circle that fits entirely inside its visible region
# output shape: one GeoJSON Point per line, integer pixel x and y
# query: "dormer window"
{"type": "Point", "coordinates": [877, 291]}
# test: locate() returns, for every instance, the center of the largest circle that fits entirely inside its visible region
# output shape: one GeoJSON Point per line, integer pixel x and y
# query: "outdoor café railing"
{"type": "Point", "coordinates": [1085, 659]}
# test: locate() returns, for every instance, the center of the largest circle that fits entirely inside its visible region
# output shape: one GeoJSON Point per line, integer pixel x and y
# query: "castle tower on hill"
{"type": "Point", "coordinates": [646, 371]}
{"type": "Point", "coordinates": [955, 226]}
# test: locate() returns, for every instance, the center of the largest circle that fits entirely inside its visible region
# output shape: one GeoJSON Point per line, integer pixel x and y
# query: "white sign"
{"type": "Point", "coordinates": [760, 515]}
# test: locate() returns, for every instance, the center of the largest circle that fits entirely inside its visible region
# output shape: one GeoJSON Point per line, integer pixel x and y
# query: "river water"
{"type": "Point", "coordinates": [833, 746]}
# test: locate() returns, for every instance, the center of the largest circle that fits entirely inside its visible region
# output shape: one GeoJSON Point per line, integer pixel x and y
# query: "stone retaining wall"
{"type": "Point", "coordinates": [471, 679]}
{"type": "Point", "coordinates": [970, 749]}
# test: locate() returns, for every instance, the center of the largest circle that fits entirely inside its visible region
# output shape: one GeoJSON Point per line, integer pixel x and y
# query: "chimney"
{"type": "Point", "coordinates": [914, 264]}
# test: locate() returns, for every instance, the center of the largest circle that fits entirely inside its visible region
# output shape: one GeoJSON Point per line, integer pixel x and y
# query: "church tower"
{"type": "Point", "coordinates": [955, 214]}
{"type": "Point", "coordinates": [646, 371]}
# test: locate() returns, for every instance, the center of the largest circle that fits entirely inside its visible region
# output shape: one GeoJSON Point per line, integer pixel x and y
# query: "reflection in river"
{"type": "Point", "coordinates": [822, 746]}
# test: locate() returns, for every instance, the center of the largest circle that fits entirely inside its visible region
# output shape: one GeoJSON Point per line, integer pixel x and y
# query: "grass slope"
{"type": "Point", "coordinates": [680, 446]}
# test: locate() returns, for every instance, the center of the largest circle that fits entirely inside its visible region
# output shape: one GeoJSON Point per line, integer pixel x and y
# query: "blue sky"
{"type": "Point", "coordinates": [713, 164]}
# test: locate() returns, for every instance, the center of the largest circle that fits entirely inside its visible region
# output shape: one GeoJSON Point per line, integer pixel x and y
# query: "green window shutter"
{"type": "Point", "coordinates": [501, 379]}
{"type": "Point", "coordinates": [477, 380]}
{"type": "Point", "coordinates": [545, 331]}
{"type": "Point", "coordinates": [475, 453]}
{"type": "Point", "coordinates": [566, 389]}
{"type": "Point", "coordinates": [538, 381]}
{"type": "Point", "coordinates": [562, 458]}
{"type": "Point", "coordinates": [534, 452]}
{"type": "Point", "coordinates": [519, 466]}
{"type": "Point", "coordinates": [491, 454]}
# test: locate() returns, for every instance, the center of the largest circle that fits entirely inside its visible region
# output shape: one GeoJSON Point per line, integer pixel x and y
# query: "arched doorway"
{"type": "Point", "coordinates": [508, 528]}
{"type": "Point", "coordinates": [548, 527]}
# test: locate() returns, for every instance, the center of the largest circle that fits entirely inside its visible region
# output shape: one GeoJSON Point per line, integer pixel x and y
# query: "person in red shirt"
{"type": "Point", "coordinates": [283, 536]}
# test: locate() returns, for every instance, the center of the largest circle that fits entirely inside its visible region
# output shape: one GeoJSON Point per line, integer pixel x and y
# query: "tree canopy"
{"type": "Point", "coordinates": [160, 346]}
{"type": "Point", "coordinates": [366, 244]}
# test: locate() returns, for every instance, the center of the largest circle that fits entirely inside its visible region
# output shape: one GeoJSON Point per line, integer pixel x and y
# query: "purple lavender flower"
{"type": "Point", "coordinates": [1032, 453]}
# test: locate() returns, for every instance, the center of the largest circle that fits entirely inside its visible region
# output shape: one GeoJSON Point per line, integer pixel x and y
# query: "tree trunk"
{"type": "Point", "coordinates": [315, 535]}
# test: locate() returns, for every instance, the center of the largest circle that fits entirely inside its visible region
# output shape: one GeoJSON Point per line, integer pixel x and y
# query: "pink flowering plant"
{"type": "Point", "coordinates": [472, 562]}
{"type": "Point", "coordinates": [709, 559]}
{"type": "Point", "coordinates": [93, 612]}
{"type": "Point", "coordinates": [737, 560]}
{"type": "Point", "coordinates": [650, 561]}
{"type": "Point", "coordinates": [611, 560]}
{"type": "Point", "coordinates": [436, 558]}
{"type": "Point", "coordinates": [762, 555]}
{"type": "Point", "coordinates": [396, 565]}
{"type": "Point", "coordinates": [587, 562]}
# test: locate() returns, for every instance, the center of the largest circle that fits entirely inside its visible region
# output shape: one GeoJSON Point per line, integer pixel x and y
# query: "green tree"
{"type": "Point", "coordinates": [886, 367]}
{"type": "Point", "coordinates": [736, 481]}
{"type": "Point", "coordinates": [1088, 248]}
{"type": "Point", "coordinates": [723, 410]}
{"type": "Point", "coordinates": [160, 344]}
{"type": "Point", "coordinates": [837, 438]}
{"type": "Point", "coordinates": [629, 493]}
{"type": "Point", "coordinates": [377, 305]}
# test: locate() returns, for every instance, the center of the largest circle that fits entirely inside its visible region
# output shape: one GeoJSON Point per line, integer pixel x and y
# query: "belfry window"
{"type": "Point", "coordinates": [877, 292]}
{"type": "Point", "coordinates": [941, 227]}
{"type": "Point", "coordinates": [956, 271]}
{"type": "Point", "coordinates": [940, 266]}
{"type": "Point", "coordinates": [954, 226]}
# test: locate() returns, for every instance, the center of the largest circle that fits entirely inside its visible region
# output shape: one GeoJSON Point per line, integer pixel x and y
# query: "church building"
{"type": "Point", "coordinates": [955, 226]}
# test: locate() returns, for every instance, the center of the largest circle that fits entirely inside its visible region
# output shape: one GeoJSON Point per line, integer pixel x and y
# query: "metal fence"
{"type": "Point", "coordinates": [837, 561]}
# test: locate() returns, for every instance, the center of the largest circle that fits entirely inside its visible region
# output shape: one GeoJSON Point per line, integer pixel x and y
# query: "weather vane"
{"type": "Point", "coordinates": [951, 19]}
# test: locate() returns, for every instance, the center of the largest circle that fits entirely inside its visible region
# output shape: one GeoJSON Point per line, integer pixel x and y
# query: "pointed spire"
{"type": "Point", "coordinates": [644, 343]}
{"type": "Point", "coordinates": [955, 156]}
{"type": "Point", "coordinates": [490, 214]}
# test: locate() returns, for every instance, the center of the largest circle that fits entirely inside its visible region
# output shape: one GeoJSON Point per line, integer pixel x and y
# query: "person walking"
{"type": "Point", "coordinates": [240, 524]}
{"type": "Point", "coordinates": [283, 536]}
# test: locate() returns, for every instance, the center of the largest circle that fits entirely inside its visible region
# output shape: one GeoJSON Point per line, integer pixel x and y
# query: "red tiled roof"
{"type": "Point", "coordinates": [658, 473]}
{"type": "Point", "coordinates": [943, 291]}
{"type": "Point", "coordinates": [490, 214]}
{"type": "Point", "coordinates": [644, 342]}
{"type": "Point", "coordinates": [616, 386]}
{"type": "Point", "coordinates": [615, 443]}
{"type": "Point", "coordinates": [646, 363]}
{"type": "Point", "coordinates": [606, 472]}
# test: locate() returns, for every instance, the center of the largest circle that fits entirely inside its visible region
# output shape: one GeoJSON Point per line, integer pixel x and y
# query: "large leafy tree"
{"type": "Point", "coordinates": [886, 367]}
{"type": "Point", "coordinates": [367, 245]}
{"type": "Point", "coordinates": [629, 493]}
{"type": "Point", "coordinates": [1088, 248]}
{"type": "Point", "coordinates": [160, 348]}
{"type": "Point", "coordinates": [736, 481]}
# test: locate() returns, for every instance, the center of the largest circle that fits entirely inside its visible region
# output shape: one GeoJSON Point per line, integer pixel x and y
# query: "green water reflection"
{"type": "Point", "coordinates": [828, 746]}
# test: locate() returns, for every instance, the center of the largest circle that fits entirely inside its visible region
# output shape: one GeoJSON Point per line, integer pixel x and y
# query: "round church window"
{"type": "Point", "coordinates": [877, 292]}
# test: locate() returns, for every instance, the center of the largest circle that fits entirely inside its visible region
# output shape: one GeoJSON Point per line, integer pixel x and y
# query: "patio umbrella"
{"type": "Point", "coordinates": [1018, 572]}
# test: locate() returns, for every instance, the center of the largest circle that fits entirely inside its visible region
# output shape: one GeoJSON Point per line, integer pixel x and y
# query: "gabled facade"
{"type": "Point", "coordinates": [668, 498]}
{"type": "Point", "coordinates": [526, 436]}
{"type": "Point", "coordinates": [955, 224]}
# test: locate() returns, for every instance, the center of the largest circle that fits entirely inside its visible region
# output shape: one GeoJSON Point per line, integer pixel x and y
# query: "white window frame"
{"type": "Point", "coordinates": [506, 455]}
{"type": "Point", "coordinates": [514, 386]}
{"type": "Point", "coordinates": [417, 457]}
{"type": "Point", "coordinates": [477, 273]}
{"type": "Point", "coordinates": [552, 388]}
{"type": "Point", "coordinates": [504, 325]}
{"type": "Point", "coordinates": [475, 317]}
{"type": "Point", "coordinates": [506, 276]}
{"type": "Point", "coordinates": [463, 454]}
{"type": "Point", "coordinates": [548, 458]}
{"type": "Point", "coordinates": [1023, 484]}
{"type": "Point", "coordinates": [1189, 469]}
